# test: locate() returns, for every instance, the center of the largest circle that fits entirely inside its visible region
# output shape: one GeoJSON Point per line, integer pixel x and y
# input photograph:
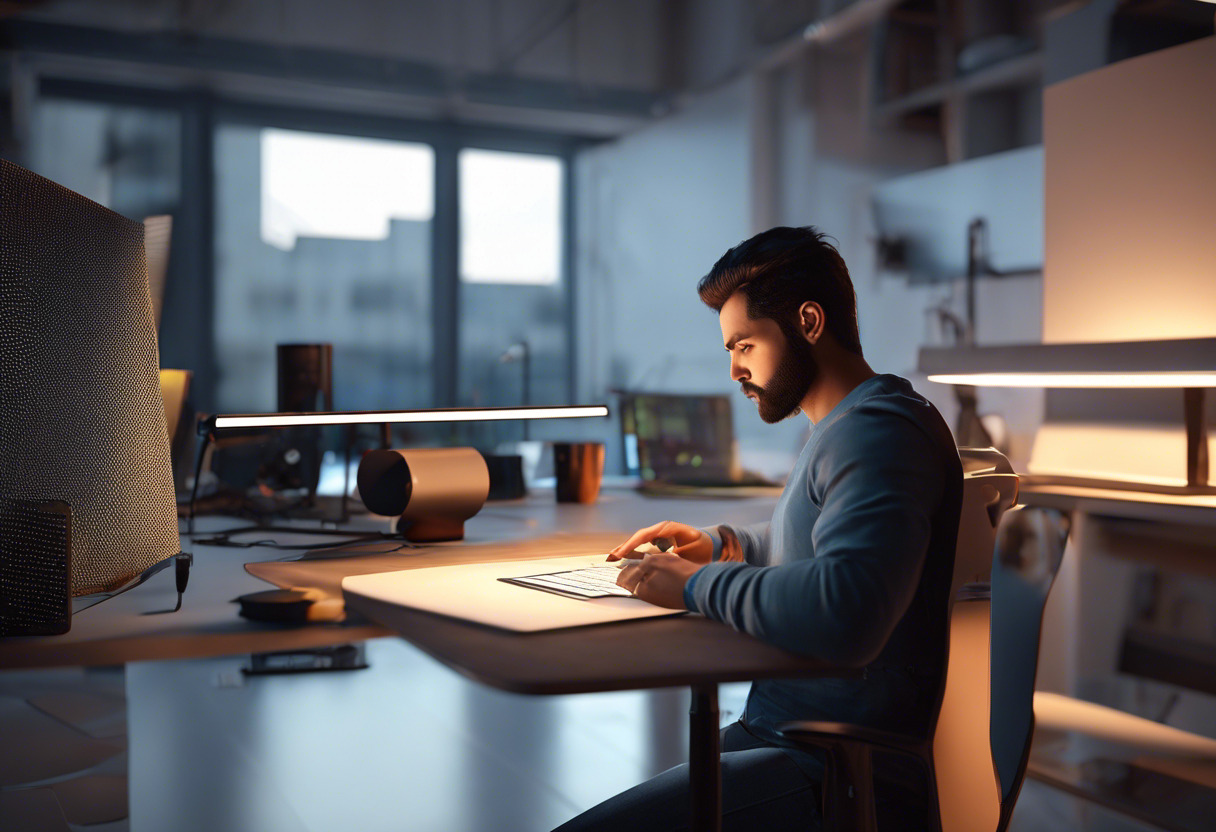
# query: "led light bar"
{"type": "Point", "coordinates": [1077, 380]}
{"type": "Point", "coordinates": [1182, 363]}
{"type": "Point", "coordinates": [395, 417]}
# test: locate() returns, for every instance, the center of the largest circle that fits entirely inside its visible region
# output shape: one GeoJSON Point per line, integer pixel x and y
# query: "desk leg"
{"type": "Point", "coordinates": [704, 766]}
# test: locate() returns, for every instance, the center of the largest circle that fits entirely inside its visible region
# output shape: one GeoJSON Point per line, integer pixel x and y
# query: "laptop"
{"type": "Point", "coordinates": [683, 440]}
{"type": "Point", "coordinates": [491, 593]}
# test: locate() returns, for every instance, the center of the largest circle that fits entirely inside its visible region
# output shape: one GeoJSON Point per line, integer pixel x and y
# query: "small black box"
{"type": "Point", "coordinates": [35, 567]}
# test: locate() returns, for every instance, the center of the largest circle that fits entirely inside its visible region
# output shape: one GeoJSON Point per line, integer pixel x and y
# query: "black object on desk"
{"type": "Point", "coordinates": [506, 476]}
{"type": "Point", "coordinates": [35, 568]}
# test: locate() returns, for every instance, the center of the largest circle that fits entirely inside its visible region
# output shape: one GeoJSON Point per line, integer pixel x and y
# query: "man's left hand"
{"type": "Point", "coordinates": [658, 578]}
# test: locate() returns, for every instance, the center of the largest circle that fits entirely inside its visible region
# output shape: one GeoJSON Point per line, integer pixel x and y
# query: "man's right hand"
{"type": "Point", "coordinates": [691, 544]}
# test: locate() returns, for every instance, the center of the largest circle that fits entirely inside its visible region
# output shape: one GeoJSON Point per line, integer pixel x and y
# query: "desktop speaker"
{"type": "Point", "coordinates": [81, 415]}
{"type": "Point", "coordinates": [432, 490]}
{"type": "Point", "coordinates": [306, 385]}
{"type": "Point", "coordinates": [305, 377]}
{"type": "Point", "coordinates": [35, 568]}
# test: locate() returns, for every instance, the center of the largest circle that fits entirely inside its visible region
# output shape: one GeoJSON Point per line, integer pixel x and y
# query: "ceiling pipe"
{"type": "Point", "coordinates": [851, 18]}
{"type": "Point", "coordinates": [826, 30]}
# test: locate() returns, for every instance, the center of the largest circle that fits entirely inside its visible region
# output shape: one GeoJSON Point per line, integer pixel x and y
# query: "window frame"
{"type": "Point", "coordinates": [202, 112]}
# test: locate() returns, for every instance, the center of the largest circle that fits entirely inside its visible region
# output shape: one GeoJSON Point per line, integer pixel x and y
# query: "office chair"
{"type": "Point", "coordinates": [975, 752]}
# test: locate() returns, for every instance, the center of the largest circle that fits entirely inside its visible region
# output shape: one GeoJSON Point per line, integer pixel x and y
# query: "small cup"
{"type": "Point", "coordinates": [579, 467]}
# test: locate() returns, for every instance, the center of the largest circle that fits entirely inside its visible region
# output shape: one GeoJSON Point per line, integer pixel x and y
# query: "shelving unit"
{"type": "Point", "coordinates": [971, 72]}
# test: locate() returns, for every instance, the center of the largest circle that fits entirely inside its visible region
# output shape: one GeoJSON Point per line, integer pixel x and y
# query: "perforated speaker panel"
{"type": "Point", "coordinates": [35, 558]}
{"type": "Point", "coordinates": [81, 417]}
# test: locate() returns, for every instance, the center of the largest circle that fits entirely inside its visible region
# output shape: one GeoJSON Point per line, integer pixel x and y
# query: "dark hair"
{"type": "Point", "coordinates": [781, 269]}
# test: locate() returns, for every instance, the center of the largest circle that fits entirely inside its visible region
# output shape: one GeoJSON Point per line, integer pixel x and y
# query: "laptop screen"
{"type": "Point", "coordinates": [679, 438]}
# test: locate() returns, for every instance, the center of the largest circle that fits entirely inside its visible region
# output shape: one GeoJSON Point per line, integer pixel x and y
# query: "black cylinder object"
{"type": "Point", "coordinates": [385, 484]}
{"type": "Point", "coordinates": [306, 377]}
{"type": "Point", "coordinates": [506, 476]}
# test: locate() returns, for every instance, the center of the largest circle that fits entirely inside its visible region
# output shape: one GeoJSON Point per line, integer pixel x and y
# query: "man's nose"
{"type": "Point", "coordinates": [737, 371]}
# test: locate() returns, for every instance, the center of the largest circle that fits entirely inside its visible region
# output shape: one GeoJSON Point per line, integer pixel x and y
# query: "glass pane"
{"type": "Point", "coordinates": [513, 321]}
{"type": "Point", "coordinates": [322, 238]}
{"type": "Point", "coordinates": [510, 217]}
{"type": "Point", "coordinates": [126, 158]}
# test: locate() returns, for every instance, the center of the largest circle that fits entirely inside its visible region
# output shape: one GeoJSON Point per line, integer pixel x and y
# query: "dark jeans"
{"type": "Point", "coordinates": [762, 788]}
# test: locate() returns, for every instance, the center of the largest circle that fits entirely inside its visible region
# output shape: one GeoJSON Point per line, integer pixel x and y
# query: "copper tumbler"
{"type": "Point", "coordinates": [579, 466]}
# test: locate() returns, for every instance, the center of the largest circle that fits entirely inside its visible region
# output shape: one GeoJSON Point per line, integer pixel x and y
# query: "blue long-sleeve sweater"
{"type": "Point", "coordinates": [854, 567]}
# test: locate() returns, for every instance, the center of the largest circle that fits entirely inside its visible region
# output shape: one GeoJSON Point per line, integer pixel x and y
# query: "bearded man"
{"type": "Point", "coordinates": [854, 568]}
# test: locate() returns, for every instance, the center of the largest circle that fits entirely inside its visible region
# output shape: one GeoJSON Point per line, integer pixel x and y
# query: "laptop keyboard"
{"type": "Point", "coordinates": [589, 582]}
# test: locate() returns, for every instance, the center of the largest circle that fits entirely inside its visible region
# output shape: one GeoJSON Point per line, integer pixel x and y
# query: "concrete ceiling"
{"type": "Point", "coordinates": [590, 67]}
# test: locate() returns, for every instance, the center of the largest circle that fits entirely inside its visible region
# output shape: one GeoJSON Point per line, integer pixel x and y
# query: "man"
{"type": "Point", "coordinates": [854, 567]}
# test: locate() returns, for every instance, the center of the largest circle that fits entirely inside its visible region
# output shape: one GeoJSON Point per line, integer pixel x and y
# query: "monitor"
{"type": "Point", "coordinates": [81, 416]}
{"type": "Point", "coordinates": [679, 438]}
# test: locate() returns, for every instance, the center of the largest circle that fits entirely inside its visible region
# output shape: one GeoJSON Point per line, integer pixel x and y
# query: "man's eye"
{"type": "Point", "coordinates": [744, 347]}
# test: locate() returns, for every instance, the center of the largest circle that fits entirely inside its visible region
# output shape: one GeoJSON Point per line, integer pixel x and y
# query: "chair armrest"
{"type": "Point", "coordinates": [831, 733]}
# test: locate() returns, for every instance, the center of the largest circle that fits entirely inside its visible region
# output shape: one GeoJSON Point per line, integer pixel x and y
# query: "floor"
{"type": "Point", "coordinates": [403, 745]}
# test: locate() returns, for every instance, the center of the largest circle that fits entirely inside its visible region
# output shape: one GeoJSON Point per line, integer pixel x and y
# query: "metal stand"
{"type": "Point", "coordinates": [704, 766]}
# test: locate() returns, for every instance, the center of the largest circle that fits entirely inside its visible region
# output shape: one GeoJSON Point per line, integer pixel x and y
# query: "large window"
{"type": "Point", "coordinates": [514, 344]}
{"type": "Point", "coordinates": [323, 238]}
{"type": "Point", "coordinates": [126, 158]}
{"type": "Point", "coordinates": [431, 257]}
{"type": "Point", "coordinates": [510, 218]}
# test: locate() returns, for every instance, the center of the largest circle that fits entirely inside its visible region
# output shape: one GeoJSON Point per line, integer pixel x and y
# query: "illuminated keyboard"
{"type": "Point", "coordinates": [589, 582]}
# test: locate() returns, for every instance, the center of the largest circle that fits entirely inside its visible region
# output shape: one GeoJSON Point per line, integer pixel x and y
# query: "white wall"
{"type": "Point", "coordinates": [839, 172]}
{"type": "Point", "coordinates": [1131, 174]}
{"type": "Point", "coordinates": [656, 209]}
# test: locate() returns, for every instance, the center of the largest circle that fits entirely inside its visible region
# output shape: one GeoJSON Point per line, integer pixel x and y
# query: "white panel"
{"type": "Point", "coordinates": [1138, 452]}
{"type": "Point", "coordinates": [1130, 199]}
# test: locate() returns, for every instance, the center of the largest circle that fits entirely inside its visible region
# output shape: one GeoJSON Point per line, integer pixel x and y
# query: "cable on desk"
{"type": "Point", "coordinates": [401, 544]}
{"type": "Point", "coordinates": [181, 563]}
{"type": "Point", "coordinates": [224, 538]}
{"type": "Point", "coordinates": [208, 436]}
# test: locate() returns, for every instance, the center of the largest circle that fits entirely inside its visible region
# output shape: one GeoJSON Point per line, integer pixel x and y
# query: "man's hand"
{"type": "Point", "coordinates": [691, 544]}
{"type": "Point", "coordinates": [658, 578]}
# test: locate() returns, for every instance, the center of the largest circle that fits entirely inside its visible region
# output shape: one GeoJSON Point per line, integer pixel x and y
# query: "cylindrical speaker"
{"type": "Point", "coordinates": [306, 385]}
{"type": "Point", "coordinates": [434, 490]}
{"type": "Point", "coordinates": [306, 377]}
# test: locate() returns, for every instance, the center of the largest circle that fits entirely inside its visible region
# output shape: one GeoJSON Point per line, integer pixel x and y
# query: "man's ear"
{"type": "Point", "coordinates": [811, 321]}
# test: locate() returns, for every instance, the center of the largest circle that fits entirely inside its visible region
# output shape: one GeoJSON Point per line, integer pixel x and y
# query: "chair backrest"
{"type": "Point", "coordinates": [990, 488]}
{"type": "Point", "coordinates": [1030, 545]}
{"type": "Point", "coordinates": [967, 791]}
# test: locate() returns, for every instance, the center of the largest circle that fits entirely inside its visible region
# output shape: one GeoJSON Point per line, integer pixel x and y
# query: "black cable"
{"type": "Point", "coordinates": [224, 538]}
{"type": "Point", "coordinates": [198, 474]}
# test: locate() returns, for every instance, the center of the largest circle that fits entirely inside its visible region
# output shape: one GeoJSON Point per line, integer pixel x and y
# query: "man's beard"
{"type": "Point", "coordinates": [782, 397]}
